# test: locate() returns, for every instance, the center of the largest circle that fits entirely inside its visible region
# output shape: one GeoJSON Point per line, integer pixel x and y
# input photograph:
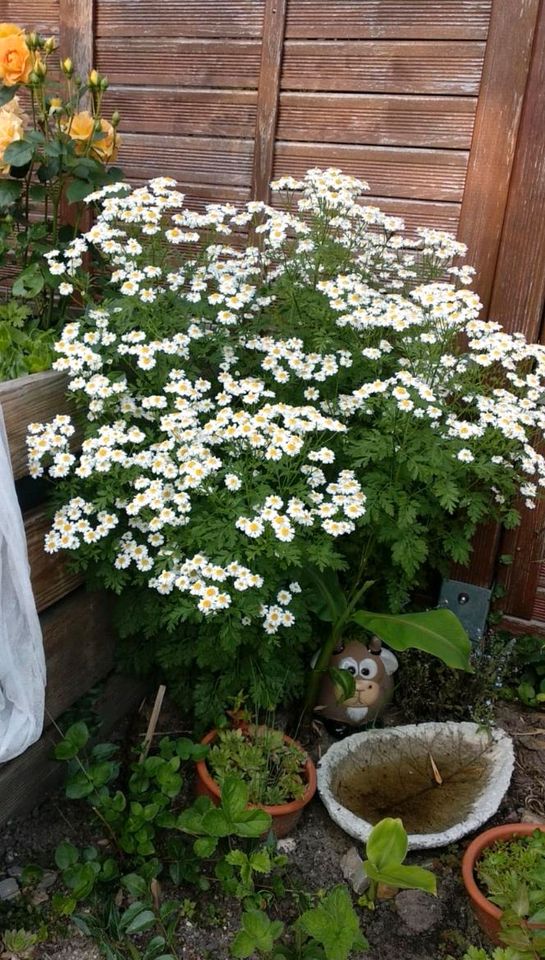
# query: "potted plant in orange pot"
{"type": "Point", "coordinates": [280, 776]}
{"type": "Point", "coordinates": [504, 874]}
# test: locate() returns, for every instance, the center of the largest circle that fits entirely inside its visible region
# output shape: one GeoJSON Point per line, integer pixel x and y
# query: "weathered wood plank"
{"type": "Point", "coordinates": [415, 213]}
{"type": "Point", "coordinates": [189, 18]}
{"type": "Point", "coordinates": [220, 113]}
{"type": "Point", "coordinates": [407, 19]}
{"type": "Point", "coordinates": [27, 780]}
{"type": "Point", "coordinates": [76, 38]}
{"type": "Point", "coordinates": [180, 62]}
{"type": "Point", "coordinates": [519, 283]}
{"type": "Point", "coordinates": [390, 171]}
{"type": "Point", "coordinates": [518, 627]}
{"type": "Point", "coordinates": [415, 121]}
{"type": "Point", "coordinates": [505, 72]}
{"type": "Point", "coordinates": [37, 397]}
{"type": "Point", "coordinates": [389, 66]}
{"type": "Point", "coordinates": [51, 578]}
{"type": "Point", "coordinates": [272, 46]}
{"type": "Point", "coordinates": [78, 643]}
{"type": "Point", "coordinates": [207, 160]}
{"type": "Point", "coordinates": [39, 15]}
{"type": "Point", "coordinates": [419, 213]}
{"type": "Point", "coordinates": [517, 301]}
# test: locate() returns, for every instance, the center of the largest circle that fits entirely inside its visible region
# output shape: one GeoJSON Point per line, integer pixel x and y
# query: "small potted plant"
{"type": "Point", "coordinates": [280, 776]}
{"type": "Point", "coordinates": [504, 875]}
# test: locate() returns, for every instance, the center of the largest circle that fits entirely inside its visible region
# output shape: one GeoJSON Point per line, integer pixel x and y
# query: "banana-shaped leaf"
{"type": "Point", "coordinates": [438, 632]}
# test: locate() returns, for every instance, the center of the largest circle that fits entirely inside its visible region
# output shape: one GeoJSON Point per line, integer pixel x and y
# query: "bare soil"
{"type": "Point", "coordinates": [316, 848]}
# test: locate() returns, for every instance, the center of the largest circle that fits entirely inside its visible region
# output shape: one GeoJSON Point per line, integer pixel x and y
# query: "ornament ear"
{"type": "Point", "coordinates": [389, 660]}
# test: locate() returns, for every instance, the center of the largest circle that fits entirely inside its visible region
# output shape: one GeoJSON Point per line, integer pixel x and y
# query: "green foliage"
{"type": "Point", "coordinates": [272, 768]}
{"type": "Point", "coordinates": [386, 850]}
{"type": "Point", "coordinates": [18, 944]}
{"type": "Point", "coordinates": [526, 679]}
{"type": "Point", "coordinates": [24, 348]}
{"type": "Point", "coordinates": [239, 873]}
{"type": "Point", "coordinates": [438, 632]}
{"type": "Point", "coordinates": [513, 875]}
{"type": "Point", "coordinates": [230, 818]}
{"type": "Point", "coordinates": [328, 931]}
{"type": "Point", "coordinates": [520, 941]}
{"type": "Point", "coordinates": [146, 836]}
{"type": "Point", "coordinates": [257, 934]}
{"type": "Point", "coordinates": [334, 924]}
{"type": "Point", "coordinates": [463, 696]}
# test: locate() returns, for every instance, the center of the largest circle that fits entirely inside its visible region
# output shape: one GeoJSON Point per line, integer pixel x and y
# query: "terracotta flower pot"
{"type": "Point", "coordinates": [488, 914]}
{"type": "Point", "coordinates": [284, 815]}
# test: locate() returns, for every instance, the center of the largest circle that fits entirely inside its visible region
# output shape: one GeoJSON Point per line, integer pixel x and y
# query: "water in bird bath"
{"type": "Point", "coordinates": [408, 786]}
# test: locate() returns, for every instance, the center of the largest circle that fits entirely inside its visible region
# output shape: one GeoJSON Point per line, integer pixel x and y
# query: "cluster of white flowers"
{"type": "Point", "coordinates": [220, 415]}
{"type": "Point", "coordinates": [336, 510]}
{"type": "Point", "coordinates": [73, 525]}
{"type": "Point", "coordinates": [199, 577]}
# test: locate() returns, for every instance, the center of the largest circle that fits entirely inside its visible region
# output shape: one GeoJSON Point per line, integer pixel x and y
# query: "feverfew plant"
{"type": "Point", "coordinates": [272, 392]}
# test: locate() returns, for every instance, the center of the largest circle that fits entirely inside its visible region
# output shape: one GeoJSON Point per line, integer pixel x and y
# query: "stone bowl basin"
{"type": "Point", "coordinates": [444, 780]}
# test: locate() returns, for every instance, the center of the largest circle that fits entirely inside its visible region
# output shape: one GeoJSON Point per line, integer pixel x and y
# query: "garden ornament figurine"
{"type": "Point", "coordinates": [372, 667]}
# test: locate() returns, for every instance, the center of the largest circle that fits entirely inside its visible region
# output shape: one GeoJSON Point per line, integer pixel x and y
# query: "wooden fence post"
{"type": "Point", "coordinates": [77, 34]}
{"type": "Point", "coordinates": [505, 75]}
{"type": "Point", "coordinates": [505, 72]}
{"type": "Point", "coordinates": [518, 301]}
{"type": "Point", "coordinates": [274, 24]}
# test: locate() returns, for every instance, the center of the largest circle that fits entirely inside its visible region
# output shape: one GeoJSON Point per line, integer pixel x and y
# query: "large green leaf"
{"type": "Point", "coordinates": [10, 191]}
{"type": "Point", "coordinates": [257, 934]}
{"type": "Point", "coordinates": [334, 924]}
{"type": "Point", "coordinates": [252, 823]}
{"type": "Point", "coordinates": [234, 797]}
{"type": "Point", "coordinates": [19, 153]}
{"type": "Point", "coordinates": [7, 93]}
{"type": "Point", "coordinates": [387, 843]}
{"type": "Point", "coordinates": [438, 632]}
{"type": "Point", "coordinates": [343, 682]}
{"type": "Point", "coordinates": [324, 595]}
{"type": "Point", "coordinates": [398, 875]}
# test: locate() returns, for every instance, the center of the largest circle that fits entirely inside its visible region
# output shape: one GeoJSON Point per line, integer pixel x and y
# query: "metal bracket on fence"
{"type": "Point", "coordinates": [470, 604]}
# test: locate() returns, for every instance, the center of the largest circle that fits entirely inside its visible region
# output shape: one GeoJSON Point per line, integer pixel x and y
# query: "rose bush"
{"type": "Point", "coordinates": [52, 153]}
{"type": "Point", "coordinates": [317, 401]}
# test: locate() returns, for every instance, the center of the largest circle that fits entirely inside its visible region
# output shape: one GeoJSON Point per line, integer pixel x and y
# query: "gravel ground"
{"type": "Point", "coordinates": [415, 927]}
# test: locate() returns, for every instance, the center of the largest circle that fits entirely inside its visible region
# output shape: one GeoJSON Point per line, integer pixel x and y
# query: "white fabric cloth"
{"type": "Point", "coordinates": [22, 661]}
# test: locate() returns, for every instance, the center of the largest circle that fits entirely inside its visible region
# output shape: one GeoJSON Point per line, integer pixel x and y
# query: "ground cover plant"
{"type": "Point", "coordinates": [55, 146]}
{"type": "Point", "coordinates": [279, 427]}
{"type": "Point", "coordinates": [150, 836]}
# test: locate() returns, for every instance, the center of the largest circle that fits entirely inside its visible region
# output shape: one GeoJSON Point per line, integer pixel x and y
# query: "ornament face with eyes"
{"type": "Point", "coordinates": [372, 668]}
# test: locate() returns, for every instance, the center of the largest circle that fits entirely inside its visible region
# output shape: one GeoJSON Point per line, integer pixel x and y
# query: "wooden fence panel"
{"type": "Point", "coordinates": [35, 398]}
{"type": "Point", "coordinates": [79, 645]}
{"type": "Point", "coordinates": [78, 635]}
{"type": "Point", "coordinates": [394, 66]}
{"type": "Point", "coordinates": [51, 576]}
{"type": "Point", "coordinates": [400, 19]}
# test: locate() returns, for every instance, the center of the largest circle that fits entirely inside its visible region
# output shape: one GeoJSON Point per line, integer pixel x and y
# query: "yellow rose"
{"type": "Point", "coordinates": [11, 129]}
{"type": "Point", "coordinates": [10, 30]}
{"type": "Point", "coordinates": [14, 106]}
{"type": "Point", "coordinates": [81, 129]}
{"type": "Point", "coordinates": [15, 59]}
